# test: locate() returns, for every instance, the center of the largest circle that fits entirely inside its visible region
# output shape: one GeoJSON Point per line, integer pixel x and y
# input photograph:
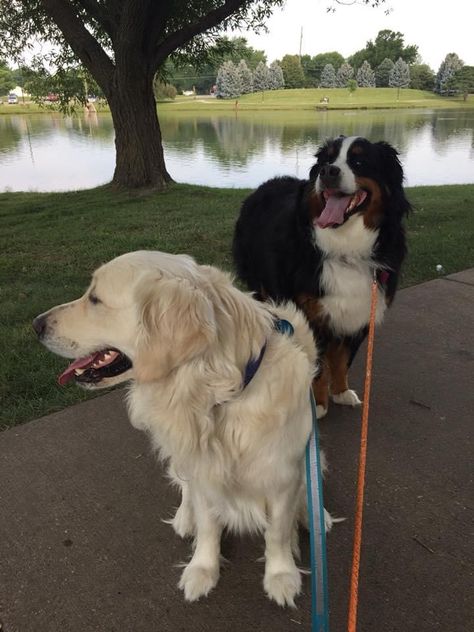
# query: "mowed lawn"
{"type": "Point", "coordinates": [288, 100]}
{"type": "Point", "coordinates": [310, 99]}
{"type": "Point", "coordinates": [51, 243]}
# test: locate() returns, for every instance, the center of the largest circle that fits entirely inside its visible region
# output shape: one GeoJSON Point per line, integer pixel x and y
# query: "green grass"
{"type": "Point", "coordinates": [294, 100]}
{"type": "Point", "coordinates": [30, 107]}
{"type": "Point", "coordinates": [51, 242]}
{"type": "Point", "coordinates": [309, 99]}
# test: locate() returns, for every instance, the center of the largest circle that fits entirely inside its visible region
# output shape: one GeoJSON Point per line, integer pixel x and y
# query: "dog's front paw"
{"type": "Point", "coordinates": [182, 522]}
{"type": "Point", "coordinates": [321, 411]}
{"type": "Point", "coordinates": [198, 581]}
{"type": "Point", "coordinates": [328, 521]}
{"type": "Point", "coordinates": [346, 398]}
{"type": "Point", "coordinates": [283, 586]}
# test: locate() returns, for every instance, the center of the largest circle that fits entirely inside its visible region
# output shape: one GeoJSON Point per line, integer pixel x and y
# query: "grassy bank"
{"type": "Point", "coordinates": [30, 107]}
{"type": "Point", "coordinates": [51, 242]}
{"type": "Point", "coordinates": [310, 99]}
{"type": "Point", "coordinates": [293, 100]}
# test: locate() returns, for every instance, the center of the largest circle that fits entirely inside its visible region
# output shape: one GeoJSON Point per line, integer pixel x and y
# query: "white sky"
{"type": "Point", "coordinates": [438, 27]}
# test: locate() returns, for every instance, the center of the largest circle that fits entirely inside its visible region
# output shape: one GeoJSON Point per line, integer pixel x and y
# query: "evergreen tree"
{"type": "Point", "coordinates": [228, 81]}
{"type": "Point", "coordinates": [365, 76]}
{"type": "Point", "coordinates": [449, 66]}
{"type": "Point", "coordinates": [261, 78]}
{"type": "Point", "coordinates": [245, 76]}
{"type": "Point", "coordinates": [315, 67]}
{"type": "Point", "coordinates": [277, 80]}
{"type": "Point", "coordinates": [328, 77]}
{"type": "Point", "coordinates": [400, 75]}
{"type": "Point", "coordinates": [309, 71]}
{"type": "Point", "coordinates": [344, 74]}
{"type": "Point", "coordinates": [292, 71]}
{"type": "Point", "coordinates": [462, 81]}
{"type": "Point", "coordinates": [382, 73]}
{"type": "Point", "coordinates": [422, 77]}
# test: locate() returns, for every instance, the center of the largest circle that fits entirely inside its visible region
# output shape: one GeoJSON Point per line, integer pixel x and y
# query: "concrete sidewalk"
{"type": "Point", "coordinates": [83, 547]}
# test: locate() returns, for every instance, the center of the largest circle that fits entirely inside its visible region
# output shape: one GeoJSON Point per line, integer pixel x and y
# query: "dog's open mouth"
{"type": "Point", "coordinates": [338, 206]}
{"type": "Point", "coordinates": [93, 368]}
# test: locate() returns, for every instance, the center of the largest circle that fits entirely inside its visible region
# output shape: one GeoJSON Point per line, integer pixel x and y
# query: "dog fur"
{"type": "Point", "coordinates": [320, 242]}
{"type": "Point", "coordinates": [237, 454]}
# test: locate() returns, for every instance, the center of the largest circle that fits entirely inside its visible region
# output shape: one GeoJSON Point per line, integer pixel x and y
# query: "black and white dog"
{"type": "Point", "coordinates": [319, 242]}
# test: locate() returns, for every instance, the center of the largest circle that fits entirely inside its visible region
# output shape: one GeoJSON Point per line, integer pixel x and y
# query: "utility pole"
{"type": "Point", "coordinates": [301, 41]}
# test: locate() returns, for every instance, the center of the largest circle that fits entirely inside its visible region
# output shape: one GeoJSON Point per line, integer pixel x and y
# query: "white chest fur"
{"type": "Point", "coordinates": [347, 274]}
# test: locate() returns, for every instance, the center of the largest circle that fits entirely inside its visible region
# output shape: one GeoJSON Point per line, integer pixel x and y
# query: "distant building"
{"type": "Point", "coordinates": [20, 93]}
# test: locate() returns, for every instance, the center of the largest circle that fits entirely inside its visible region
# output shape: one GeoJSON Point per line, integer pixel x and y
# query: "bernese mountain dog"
{"type": "Point", "coordinates": [320, 242]}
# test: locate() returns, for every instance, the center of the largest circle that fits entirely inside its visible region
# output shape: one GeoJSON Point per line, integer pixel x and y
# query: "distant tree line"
{"type": "Point", "coordinates": [235, 80]}
{"type": "Point", "coordinates": [201, 77]}
{"type": "Point", "coordinates": [74, 83]}
{"type": "Point", "coordinates": [384, 62]}
{"type": "Point", "coordinates": [231, 68]}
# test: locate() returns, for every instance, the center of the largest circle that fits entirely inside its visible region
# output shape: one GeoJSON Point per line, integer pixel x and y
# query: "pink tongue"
{"type": "Point", "coordinates": [80, 363]}
{"type": "Point", "coordinates": [333, 212]}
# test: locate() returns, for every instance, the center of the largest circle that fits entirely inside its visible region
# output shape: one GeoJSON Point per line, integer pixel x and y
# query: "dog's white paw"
{"type": "Point", "coordinates": [182, 522]}
{"type": "Point", "coordinates": [283, 586]}
{"type": "Point", "coordinates": [197, 581]}
{"type": "Point", "coordinates": [328, 521]}
{"type": "Point", "coordinates": [321, 411]}
{"type": "Point", "coordinates": [346, 398]}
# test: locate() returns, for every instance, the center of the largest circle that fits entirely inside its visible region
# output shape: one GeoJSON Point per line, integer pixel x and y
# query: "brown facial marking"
{"type": "Point", "coordinates": [338, 361]}
{"type": "Point", "coordinates": [357, 149]}
{"type": "Point", "coordinates": [374, 210]}
{"type": "Point", "coordinates": [315, 205]}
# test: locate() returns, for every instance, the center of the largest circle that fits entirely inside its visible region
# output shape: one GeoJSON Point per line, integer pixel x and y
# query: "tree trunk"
{"type": "Point", "coordinates": [139, 150]}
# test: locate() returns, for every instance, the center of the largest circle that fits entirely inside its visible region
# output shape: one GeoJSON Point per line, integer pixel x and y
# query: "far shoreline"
{"type": "Point", "coordinates": [307, 99]}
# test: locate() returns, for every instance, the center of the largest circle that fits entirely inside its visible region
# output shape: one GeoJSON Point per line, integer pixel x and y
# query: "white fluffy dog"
{"type": "Point", "coordinates": [184, 335]}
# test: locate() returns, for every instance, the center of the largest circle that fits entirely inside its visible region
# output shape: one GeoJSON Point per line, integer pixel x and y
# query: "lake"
{"type": "Point", "coordinates": [48, 152]}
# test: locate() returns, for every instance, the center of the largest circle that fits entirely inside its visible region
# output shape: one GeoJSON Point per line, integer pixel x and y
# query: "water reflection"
{"type": "Point", "coordinates": [49, 152]}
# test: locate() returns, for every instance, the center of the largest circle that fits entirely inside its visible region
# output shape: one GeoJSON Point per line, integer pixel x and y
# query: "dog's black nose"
{"type": "Point", "coordinates": [329, 173]}
{"type": "Point", "coordinates": [39, 325]}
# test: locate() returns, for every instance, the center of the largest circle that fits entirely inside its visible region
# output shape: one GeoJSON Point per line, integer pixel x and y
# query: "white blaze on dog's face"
{"type": "Point", "coordinates": [142, 315]}
{"type": "Point", "coordinates": [354, 178]}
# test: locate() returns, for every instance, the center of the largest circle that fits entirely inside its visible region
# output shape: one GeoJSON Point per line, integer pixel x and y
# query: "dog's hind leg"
{"type": "Point", "coordinates": [282, 581]}
{"type": "Point", "coordinates": [321, 390]}
{"type": "Point", "coordinates": [202, 573]}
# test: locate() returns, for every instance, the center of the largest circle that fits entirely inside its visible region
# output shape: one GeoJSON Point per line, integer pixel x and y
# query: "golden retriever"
{"type": "Point", "coordinates": [183, 335]}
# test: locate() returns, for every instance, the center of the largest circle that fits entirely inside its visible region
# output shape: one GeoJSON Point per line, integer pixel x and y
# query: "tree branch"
{"type": "Point", "coordinates": [100, 15]}
{"type": "Point", "coordinates": [85, 46]}
{"type": "Point", "coordinates": [184, 35]}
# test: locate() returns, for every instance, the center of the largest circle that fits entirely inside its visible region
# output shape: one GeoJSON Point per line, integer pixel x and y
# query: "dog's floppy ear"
{"type": "Point", "coordinates": [176, 324]}
{"type": "Point", "coordinates": [393, 173]}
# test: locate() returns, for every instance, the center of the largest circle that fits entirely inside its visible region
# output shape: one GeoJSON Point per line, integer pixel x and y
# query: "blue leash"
{"type": "Point", "coordinates": [317, 531]}
{"type": "Point", "coordinates": [314, 487]}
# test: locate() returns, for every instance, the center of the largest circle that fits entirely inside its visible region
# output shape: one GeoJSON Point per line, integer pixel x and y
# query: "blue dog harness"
{"type": "Point", "coordinates": [314, 488]}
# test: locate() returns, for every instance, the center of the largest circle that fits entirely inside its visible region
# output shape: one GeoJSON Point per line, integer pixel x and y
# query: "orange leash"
{"type": "Point", "coordinates": [354, 589]}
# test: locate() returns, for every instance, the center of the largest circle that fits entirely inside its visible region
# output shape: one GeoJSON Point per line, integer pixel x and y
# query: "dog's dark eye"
{"type": "Point", "coordinates": [93, 299]}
